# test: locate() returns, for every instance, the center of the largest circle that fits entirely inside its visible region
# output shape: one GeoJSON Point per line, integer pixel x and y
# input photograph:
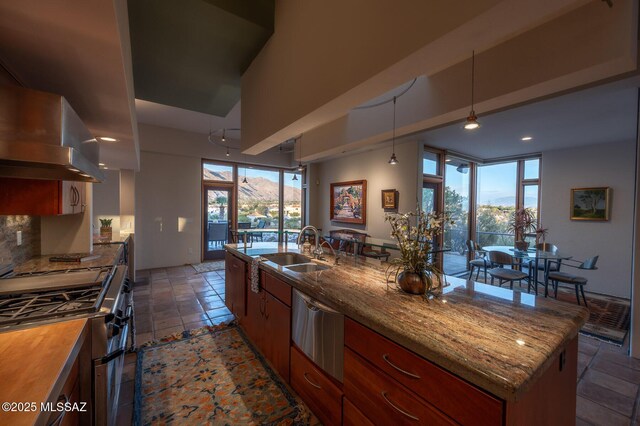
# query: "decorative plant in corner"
{"type": "Point", "coordinates": [523, 222]}
{"type": "Point", "coordinates": [106, 232]}
{"type": "Point", "coordinates": [415, 232]}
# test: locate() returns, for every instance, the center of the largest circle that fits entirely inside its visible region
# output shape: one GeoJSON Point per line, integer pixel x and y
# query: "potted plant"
{"type": "Point", "coordinates": [106, 231]}
{"type": "Point", "coordinates": [523, 222]}
{"type": "Point", "coordinates": [415, 233]}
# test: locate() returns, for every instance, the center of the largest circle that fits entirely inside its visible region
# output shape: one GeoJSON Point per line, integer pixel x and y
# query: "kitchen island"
{"type": "Point", "coordinates": [519, 350]}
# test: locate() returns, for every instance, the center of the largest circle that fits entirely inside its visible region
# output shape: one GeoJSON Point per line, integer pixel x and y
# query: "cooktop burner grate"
{"type": "Point", "coordinates": [15, 309]}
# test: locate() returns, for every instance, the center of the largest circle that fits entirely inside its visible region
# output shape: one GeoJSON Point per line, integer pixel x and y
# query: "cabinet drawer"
{"type": "Point", "coordinates": [426, 380]}
{"type": "Point", "coordinates": [278, 288]}
{"type": "Point", "coordinates": [351, 416]}
{"type": "Point", "coordinates": [316, 389]}
{"type": "Point", "coordinates": [383, 399]}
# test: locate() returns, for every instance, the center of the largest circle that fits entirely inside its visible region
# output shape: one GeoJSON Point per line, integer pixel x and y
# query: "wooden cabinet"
{"type": "Point", "coordinates": [235, 286]}
{"type": "Point", "coordinates": [268, 322]}
{"type": "Point", "coordinates": [427, 381]}
{"type": "Point", "coordinates": [351, 416]}
{"type": "Point", "coordinates": [316, 389]}
{"type": "Point", "coordinates": [41, 197]}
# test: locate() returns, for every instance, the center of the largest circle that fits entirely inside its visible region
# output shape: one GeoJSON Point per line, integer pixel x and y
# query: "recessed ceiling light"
{"type": "Point", "coordinates": [527, 138]}
{"type": "Point", "coordinates": [107, 139]}
{"type": "Point", "coordinates": [106, 168]}
{"type": "Point", "coordinates": [447, 160]}
{"type": "Point", "coordinates": [100, 164]}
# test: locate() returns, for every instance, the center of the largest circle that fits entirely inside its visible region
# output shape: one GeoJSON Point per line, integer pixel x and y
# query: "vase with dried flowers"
{"type": "Point", "coordinates": [415, 232]}
{"type": "Point", "coordinates": [523, 222]}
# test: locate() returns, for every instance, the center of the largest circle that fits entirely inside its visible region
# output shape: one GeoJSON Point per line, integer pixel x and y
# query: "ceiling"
{"type": "Point", "coordinates": [591, 116]}
{"type": "Point", "coordinates": [182, 119]}
{"type": "Point", "coordinates": [79, 50]}
{"type": "Point", "coordinates": [191, 54]}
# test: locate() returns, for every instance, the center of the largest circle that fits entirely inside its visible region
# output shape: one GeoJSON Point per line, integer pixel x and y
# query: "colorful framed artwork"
{"type": "Point", "coordinates": [389, 199]}
{"type": "Point", "coordinates": [349, 202]}
{"type": "Point", "coordinates": [590, 203]}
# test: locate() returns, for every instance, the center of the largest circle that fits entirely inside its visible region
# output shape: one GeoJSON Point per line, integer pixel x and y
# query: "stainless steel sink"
{"type": "Point", "coordinates": [307, 267]}
{"type": "Point", "coordinates": [284, 259]}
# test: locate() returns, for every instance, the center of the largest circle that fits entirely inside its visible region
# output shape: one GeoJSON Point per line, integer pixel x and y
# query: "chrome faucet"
{"type": "Point", "coordinates": [333, 252]}
{"type": "Point", "coordinates": [317, 251]}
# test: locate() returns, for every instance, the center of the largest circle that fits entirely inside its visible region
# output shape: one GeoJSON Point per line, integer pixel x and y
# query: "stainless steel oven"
{"type": "Point", "coordinates": [110, 342]}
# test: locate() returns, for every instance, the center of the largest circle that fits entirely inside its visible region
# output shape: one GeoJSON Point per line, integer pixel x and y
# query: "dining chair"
{"type": "Point", "coordinates": [479, 260]}
{"type": "Point", "coordinates": [579, 282]}
{"type": "Point", "coordinates": [499, 260]}
{"type": "Point", "coordinates": [554, 265]}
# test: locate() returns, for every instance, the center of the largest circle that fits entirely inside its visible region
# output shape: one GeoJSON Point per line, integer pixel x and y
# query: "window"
{"type": "Point", "coordinates": [292, 209]}
{"type": "Point", "coordinates": [430, 163]}
{"type": "Point", "coordinates": [259, 200]}
{"type": "Point", "coordinates": [496, 202]}
{"type": "Point", "coordinates": [457, 191]}
{"type": "Point", "coordinates": [532, 169]}
{"type": "Point", "coordinates": [217, 172]}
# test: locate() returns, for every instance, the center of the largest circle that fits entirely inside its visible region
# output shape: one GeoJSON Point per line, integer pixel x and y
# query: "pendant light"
{"type": "Point", "coordinates": [300, 166]}
{"type": "Point", "coordinates": [295, 176]}
{"type": "Point", "coordinates": [393, 160]}
{"type": "Point", "coordinates": [244, 179]}
{"type": "Point", "coordinates": [472, 121]}
{"type": "Point", "coordinates": [228, 152]}
{"type": "Point", "coordinates": [223, 139]}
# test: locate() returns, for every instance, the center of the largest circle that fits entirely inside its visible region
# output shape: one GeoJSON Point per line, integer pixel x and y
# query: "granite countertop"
{"type": "Point", "coordinates": [498, 339]}
{"type": "Point", "coordinates": [108, 254]}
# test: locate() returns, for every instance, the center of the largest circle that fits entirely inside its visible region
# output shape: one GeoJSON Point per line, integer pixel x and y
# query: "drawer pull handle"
{"type": "Point", "coordinates": [386, 358]}
{"type": "Point", "coordinates": [399, 410]}
{"type": "Point", "coordinates": [310, 382]}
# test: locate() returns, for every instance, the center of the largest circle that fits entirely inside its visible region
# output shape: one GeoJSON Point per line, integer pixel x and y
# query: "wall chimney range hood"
{"type": "Point", "coordinates": [41, 137]}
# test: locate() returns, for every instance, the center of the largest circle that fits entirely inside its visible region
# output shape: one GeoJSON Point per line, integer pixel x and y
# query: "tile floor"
{"type": "Point", "coordinates": [169, 300]}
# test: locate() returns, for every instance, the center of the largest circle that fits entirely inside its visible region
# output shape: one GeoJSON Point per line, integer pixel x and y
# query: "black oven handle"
{"type": "Point", "coordinates": [121, 350]}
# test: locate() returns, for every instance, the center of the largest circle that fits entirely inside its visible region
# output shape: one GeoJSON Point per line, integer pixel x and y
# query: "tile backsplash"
{"type": "Point", "coordinates": [10, 251]}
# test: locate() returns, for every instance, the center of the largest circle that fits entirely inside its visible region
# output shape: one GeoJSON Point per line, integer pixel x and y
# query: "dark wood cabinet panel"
{"type": "Point", "coordinates": [316, 389]}
{"type": "Point", "coordinates": [351, 416]}
{"type": "Point", "coordinates": [235, 286]}
{"type": "Point", "coordinates": [253, 324]}
{"type": "Point", "coordinates": [277, 334]}
{"type": "Point", "coordinates": [383, 399]}
{"type": "Point", "coordinates": [41, 197]}
{"type": "Point", "coordinates": [278, 288]}
{"type": "Point", "coordinates": [426, 380]}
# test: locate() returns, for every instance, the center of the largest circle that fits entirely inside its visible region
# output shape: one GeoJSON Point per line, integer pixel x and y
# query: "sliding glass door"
{"type": "Point", "coordinates": [218, 213]}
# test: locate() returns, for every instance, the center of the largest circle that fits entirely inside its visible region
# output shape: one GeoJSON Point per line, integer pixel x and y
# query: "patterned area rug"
{"type": "Point", "coordinates": [216, 265]}
{"type": "Point", "coordinates": [609, 317]}
{"type": "Point", "coordinates": [211, 376]}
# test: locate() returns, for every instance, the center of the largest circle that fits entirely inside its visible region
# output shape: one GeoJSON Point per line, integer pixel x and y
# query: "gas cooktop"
{"type": "Point", "coordinates": [39, 296]}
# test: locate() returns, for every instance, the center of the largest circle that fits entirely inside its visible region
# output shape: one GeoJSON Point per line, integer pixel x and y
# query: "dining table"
{"type": "Point", "coordinates": [533, 257]}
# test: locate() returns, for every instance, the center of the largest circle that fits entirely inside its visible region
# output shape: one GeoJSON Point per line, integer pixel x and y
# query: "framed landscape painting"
{"type": "Point", "coordinates": [349, 202]}
{"type": "Point", "coordinates": [389, 199]}
{"type": "Point", "coordinates": [590, 203]}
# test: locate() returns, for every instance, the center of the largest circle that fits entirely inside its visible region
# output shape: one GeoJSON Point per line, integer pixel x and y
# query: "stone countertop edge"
{"type": "Point", "coordinates": [108, 254]}
{"type": "Point", "coordinates": [507, 380]}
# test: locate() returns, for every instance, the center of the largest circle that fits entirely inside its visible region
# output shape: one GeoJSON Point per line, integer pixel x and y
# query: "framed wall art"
{"type": "Point", "coordinates": [349, 202]}
{"type": "Point", "coordinates": [390, 199]}
{"type": "Point", "coordinates": [590, 203]}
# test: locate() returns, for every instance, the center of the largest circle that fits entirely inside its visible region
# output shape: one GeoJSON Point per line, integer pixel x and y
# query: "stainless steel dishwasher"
{"type": "Point", "coordinates": [319, 332]}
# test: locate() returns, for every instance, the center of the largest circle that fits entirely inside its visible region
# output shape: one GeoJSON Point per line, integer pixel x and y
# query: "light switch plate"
{"type": "Point", "coordinates": [19, 238]}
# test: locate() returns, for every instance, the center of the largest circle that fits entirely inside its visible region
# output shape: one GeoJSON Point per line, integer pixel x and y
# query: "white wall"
{"type": "Point", "coordinates": [372, 166]}
{"type": "Point", "coordinates": [106, 201]}
{"type": "Point", "coordinates": [612, 165]}
{"type": "Point", "coordinates": [70, 233]}
{"type": "Point", "coordinates": [168, 190]}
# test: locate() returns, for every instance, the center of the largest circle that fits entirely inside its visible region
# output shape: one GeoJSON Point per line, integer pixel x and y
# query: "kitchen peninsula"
{"type": "Point", "coordinates": [476, 354]}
